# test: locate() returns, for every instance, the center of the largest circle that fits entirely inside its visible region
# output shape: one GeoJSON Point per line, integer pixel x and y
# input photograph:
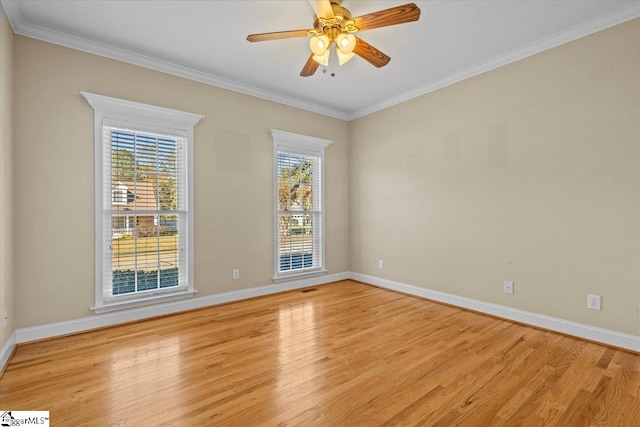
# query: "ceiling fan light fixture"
{"type": "Point", "coordinates": [320, 45]}
{"type": "Point", "coordinates": [322, 59]}
{"type": "Point", "coordinates": [343, 58]}
{"type": "Point", "coordinates": [346, 43]}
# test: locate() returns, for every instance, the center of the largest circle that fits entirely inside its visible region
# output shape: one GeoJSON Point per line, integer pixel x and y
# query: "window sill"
{"type": "Point", "coordinates": [124, 305]}
{"type": "Point", "coordinates": [296, 276]}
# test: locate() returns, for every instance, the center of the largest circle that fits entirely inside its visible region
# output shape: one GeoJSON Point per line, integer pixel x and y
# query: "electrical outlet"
{"type": "Point", "coordinates": [380, 264]}
{"type": "Point", "coordinates": [593, 302]}
{"type": "Point", "coordinates": [508, 287]}
{"type": "Point", "coordinates": [236, 273]}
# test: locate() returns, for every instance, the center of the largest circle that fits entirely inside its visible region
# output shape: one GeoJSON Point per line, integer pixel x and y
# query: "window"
{"type": "Point", "coordinates": [144, 199]}
{"type": "Point", "coordinates": [299, 210]}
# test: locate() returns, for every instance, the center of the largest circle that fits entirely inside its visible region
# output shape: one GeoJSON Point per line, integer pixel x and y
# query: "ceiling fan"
{"type": "Point", "coordinates": [334, 24]}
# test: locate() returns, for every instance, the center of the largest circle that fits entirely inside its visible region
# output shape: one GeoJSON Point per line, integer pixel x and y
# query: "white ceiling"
{"type": "Point", "coordinates": [205, 41]}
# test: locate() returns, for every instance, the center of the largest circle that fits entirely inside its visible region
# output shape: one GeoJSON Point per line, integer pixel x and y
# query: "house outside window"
{"type": "Point", "coordinates": [119, 194]}
{"type": "Point", "coordinates": [299, 205]}
{"type": "Point", "coordinates": [144, 203]}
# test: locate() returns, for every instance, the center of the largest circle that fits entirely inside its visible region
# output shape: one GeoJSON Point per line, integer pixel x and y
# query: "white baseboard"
{"type": "Point", "coordinates": [51, 330]}
{"type": "Point", "coordinates": [7, 350]}
{"type": "Point", "coordinates": [605, 336]}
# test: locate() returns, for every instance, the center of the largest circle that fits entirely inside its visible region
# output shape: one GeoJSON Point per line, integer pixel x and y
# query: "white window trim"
{"type": "Point", "coordinates": [142, 117]}
{"type": "Point", "coordinates": [304, 145]}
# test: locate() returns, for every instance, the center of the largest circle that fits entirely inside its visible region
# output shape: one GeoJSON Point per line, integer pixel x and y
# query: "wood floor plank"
{"type": "Point", "coordinates": [342, 354]}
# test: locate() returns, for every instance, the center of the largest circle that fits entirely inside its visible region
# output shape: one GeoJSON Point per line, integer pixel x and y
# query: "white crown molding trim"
{"type": "Point", "coordinates": [7, 351]}
{"type": "Point", "coordinates": [50, 330]}
{"type": "Point", "coordinates": [12, 12]}
{"type": "Point", "coordinates": [63, 39]}
{"type": "Point", "coordinates": [603, 22]}
{"type": "Point", "coordinates": [34, 31]}
{"type": "Point", "coordinates": [593, 333]}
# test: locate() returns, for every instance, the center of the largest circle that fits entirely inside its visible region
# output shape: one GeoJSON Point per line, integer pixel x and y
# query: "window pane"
{"type": "Point", "coordinates": [167, 173]}
{"type": "Point", "coordinates": [122, 156]}
{"type": "Point", "coordinates": [295, 182]}
{"type": "Point", "coordinates": [296, 225]}
{"type": "Point", "coordinates": [144, 177]}
{"type": "Point", "coordinates": [169, 250]}
{"type": "Point", "coordinates": [144, 171]}
{"type": "Point", "coordinates": [296, 241]}
{"type": "Point", "coordinates": [144, 255]}
{"type": "Point", "coordinates": [284, 182]}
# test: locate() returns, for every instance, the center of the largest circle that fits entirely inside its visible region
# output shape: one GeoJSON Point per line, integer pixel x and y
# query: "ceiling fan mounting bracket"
{"type": "Point", "coordinates": [341, 22]}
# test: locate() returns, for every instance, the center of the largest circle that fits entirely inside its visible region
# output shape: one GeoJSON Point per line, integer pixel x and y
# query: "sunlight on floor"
{"type": "Point", "coordinates": [134, 371]}
{"type": "Point", "coordinates": [298, 348]}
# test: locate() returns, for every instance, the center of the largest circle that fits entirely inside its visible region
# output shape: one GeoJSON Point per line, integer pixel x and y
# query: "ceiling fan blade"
{"type": "Point", "coordinates": [383, 18]}
{"type": "Point", "coordinates": [276, 35]}
{"type": "Point", "coordinates": [322, 8]}
{"type": "Point", "coordinates": [310, 67]}
{"type": "Point", "coordinates": [370, 54]}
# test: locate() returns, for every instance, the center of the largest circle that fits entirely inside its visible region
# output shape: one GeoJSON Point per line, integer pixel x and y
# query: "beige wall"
{"type": "Point", "coordinates": [6, 181]}
{"type": "Point", "coordinates": [233, 177]}
{"type": "Point", "coordinates": [528, 173]}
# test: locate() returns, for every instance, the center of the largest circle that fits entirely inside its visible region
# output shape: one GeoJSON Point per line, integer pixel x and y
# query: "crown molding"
{"type": "Point", "coordinates": [63, 39]}
{"type": "Point", "coordinates": [601, 23]}
{"type": "Point", "coordinates": [12, 12]}
{"type": "Point", "coordinates": [23, 28]}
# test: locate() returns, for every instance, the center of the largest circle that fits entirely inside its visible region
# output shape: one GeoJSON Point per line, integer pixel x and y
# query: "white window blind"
{"type": "Point", "coordinates": [146, 220]}
{"type": "Point", "coordinates": [299, 211]}
{"type": "Point", "coordinates": [144, 199]}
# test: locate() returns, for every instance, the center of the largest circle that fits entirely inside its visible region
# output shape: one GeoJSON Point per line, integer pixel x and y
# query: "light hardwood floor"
{"type": "Point", "coordinates": [341, 354]}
